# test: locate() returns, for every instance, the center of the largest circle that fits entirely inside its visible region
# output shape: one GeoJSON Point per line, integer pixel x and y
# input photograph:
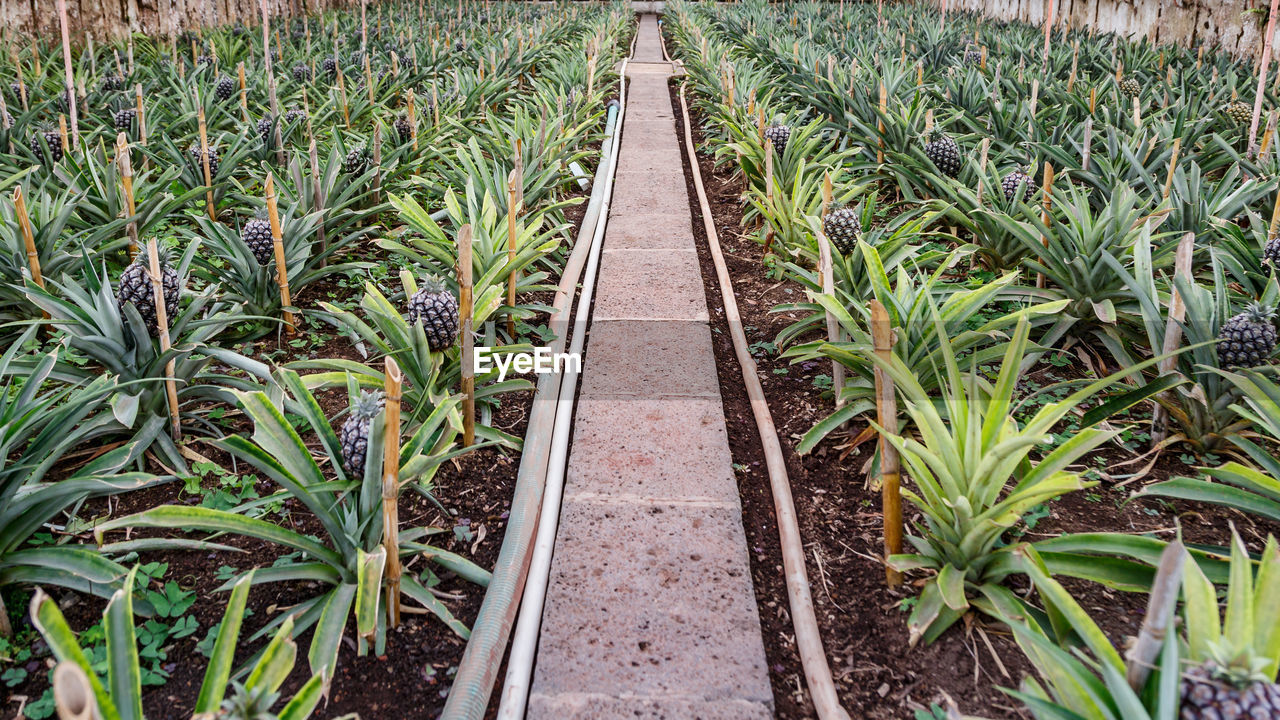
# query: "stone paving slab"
{"type": "Point", "coordinates": [649, 609]}
{"type": "Point", "coordinates": [649, 232]}
{"type": "Point", "coordinates": [651, 448]}
{"type": "Point", "coordinates": [602, 707]}
{"type": "Point", "coordinates": [649, 358]}
{"type": "Point", "coordinates": [650, 285]}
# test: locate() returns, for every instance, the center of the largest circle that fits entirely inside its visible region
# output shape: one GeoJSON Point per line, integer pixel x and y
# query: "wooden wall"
{"type": "Point", "coordinates": [114, 18]}
{"type": "Point", "coordinates": [1225, 23]}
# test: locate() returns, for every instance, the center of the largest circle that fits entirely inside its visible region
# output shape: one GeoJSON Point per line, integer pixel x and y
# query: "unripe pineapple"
{"type": "Point", "coordinates": [123, 120]}
{"type": "Point", "coordinates": [972, 56]}
{"type": "Point", "coordinates": [194, 152]}
{"type": "Point", "coordinates": [357, 161]}
{"type": "Point", "coordinates": [135, 288]}
{"type": "Point", "coordinates": [264, 129]}
{"type": "Point", "coordinates": [224, 88]}
{"type": "Point", "coordinates": [1130, 87]}
{"type": "Point", "coordinates": [354, 436]}
{"type": "Point", "coordinates": [53, 139]}
{"type": "Point", "coordinates": [1239, 111]}
{"type": "Point", "coordinates": [779, 134]}
{"type": "Point", "coordinates": [1011, 182]}
{"type": "Point", "coordinates": [330, 67]}
{"type": "Point", "coordinates": [842, 227]}
{"type": "Point", "coordinates": [404, 129]}
{"type": "Point", "coordinates": [944, 152]}
{"type": "Point", "coordinates": [1271, 255]}
{"type": "Point", "coordinates": [294, 115]}
{"type": "Point", "coordinates": [257, 236]}
{"type": "Point", "coordinates": [436, 309]}
{"type": "Point", "coordinates": [1247, 339]}
{"type": "Point", "coordinates": [301, 72]}
{"type": "Point", "coordinates": [203, 60]}
{"type": "Point", "coordinates": [111, 83]}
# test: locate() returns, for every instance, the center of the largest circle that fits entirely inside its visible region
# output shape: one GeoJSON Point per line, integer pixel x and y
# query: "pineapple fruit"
{"type": "Point", "coordinates": [135, 288]}
{"type": "Point", "coordinates": [354, 436]}
{"type": "Point", "coordinates": [436, 309]}
{"type": "Point", "coordinates": [1248, 338]}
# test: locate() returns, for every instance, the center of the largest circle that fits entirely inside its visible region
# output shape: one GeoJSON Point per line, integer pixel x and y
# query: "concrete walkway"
{"type": "Point", "coordinates": [650, 611]}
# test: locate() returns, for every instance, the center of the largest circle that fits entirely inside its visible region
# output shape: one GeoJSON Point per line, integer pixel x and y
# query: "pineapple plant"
{"type": "Point", "coordinates": [1238, 111]}
{"type": "Point", "coordinates": [355, 431]}
{"type": "Point", "coordinates": [1248, 338]}
{"type": "Point", "coordinates": [257, 236]}
{"type": "Point", "coordinates": [196, 158]}
{"type": "Point", "coordinates": [123, 119]}
{"type": "Point", "coordinates": [224, 88]}
{"type": "Point", "coordinates": [841, 227]}
{"type": "Point", "coordinates": [53, 139]}
{"type": "Point", "coordinates": [1130, 87]}
{"type": "Point", "coordinates": [779, 134]}
{"type": "Point", "coordinates": [944, 152]}
{"type": "Point", "coordinates": [1234, 663]}
{"type": "Point", "coordinates": [1013, 181]}
{"type": "Point", "coordinates": [135, 287]}
{"type": "Point", "coordinates": [357, 161]}
{"type": "Point", "coordinates": [436, 310]}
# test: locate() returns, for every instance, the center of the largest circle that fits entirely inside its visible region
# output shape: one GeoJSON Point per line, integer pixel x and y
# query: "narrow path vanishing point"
{"type": "Point", "coordinates": [650, 611]}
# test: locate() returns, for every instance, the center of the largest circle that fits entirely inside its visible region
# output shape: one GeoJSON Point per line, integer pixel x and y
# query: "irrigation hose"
{"type": "Point", "coordinates": [524, 645]}
{"type": "Point", "coordinates": [808, 638]}
{"type": "Point", "coordinates": [478, 669]}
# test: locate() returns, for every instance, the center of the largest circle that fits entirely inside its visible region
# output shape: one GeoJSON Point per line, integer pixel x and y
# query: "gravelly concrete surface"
{"type": "Point", "coordinates": [650, 611]}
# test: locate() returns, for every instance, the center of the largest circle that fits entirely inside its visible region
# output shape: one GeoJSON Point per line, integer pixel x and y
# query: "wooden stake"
{"type": "Point", "coordinates": [884, 109]}
{"type": "Point", "coordinates": [1173, 165]}
{"type": "Point", "coordinates": [70, 81]}
{"type": "Point", "coordinates": [142, 115]}
{"type": "Point", "coordinates": [391, 490]}
{"type": "Point", "coordinates": [244, 92]}
{"type": "Point", "coordinates": [1173, 332]}
{"type": "Point", "coordinates": [468, 341]}
{"type": "Point", "coordinates": [515, 183]}
{"type": "Point", "coordinates": [73, 697]}
{"type": "Point", "coordinates": [1262, 78]}
{"type": "Point", "coordinates": [342, 94]}
{"type": "Point", "coordinates": [768, 188]}
{"type": "Point", "coordinates": [62, 133]}
{"type": "Point", "coordinates": [1048, 26]}
{"type": "Point", "coordinates": [1044, 214]}
{"type": "Point", "coordinates": [834, 333]}
{"type": "Point", "coordinates": [413, 124]}
{"type": "Point", "coordinates": [317, 192]}
{"type": "Point", "coordinates": [204, 160]}
{"type": "Point", "coordinates": [28, 237]}
{"type": "Point", "coordinates": [271, 84]}
{"type": "Point", "coordinates": [126, 180]}
{"type": "Point", "coordinates": [1087, 151]}
{"type": "Point", "coordinates": [162, 329]}
{"type": "Point", "coordinates": [1275, 219]}
{"type": "Point", "coordinates": [377, 160]}
{"type": "Point", "coordinates": [982, 167]}
{"type": "Point", "coordinates": [887, 418]}
{"type": "Point", "coordinates": [282, 268]}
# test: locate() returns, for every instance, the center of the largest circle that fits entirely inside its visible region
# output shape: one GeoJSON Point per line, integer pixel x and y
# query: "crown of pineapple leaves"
{"type": "Point", "coordinates": [164, 253]}
{"type": "Point", "coordinates": [368, 404]}
{"type": "Point", "coordinates": [432, 285]}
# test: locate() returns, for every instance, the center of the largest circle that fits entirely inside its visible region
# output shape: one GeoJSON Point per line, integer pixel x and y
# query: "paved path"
{"type": "Point", "coordinates": [650, 611]}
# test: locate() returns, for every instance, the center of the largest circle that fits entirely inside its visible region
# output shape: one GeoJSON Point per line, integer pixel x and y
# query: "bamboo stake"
{"type": "Point", "coordinates": [1044, 214]}
{"type": "Point", "coordinates": [514, 184]}
{"type": "Point", "coordinates": [317, 192]}
{"type": "Point", "coordinates": [282, 268]}
{"type": "Point", "coordinates": [1048, 27]}
{"type": "Point", "coordinates": [62, 133]}
{"type": "Point", "coordinates": [391, 491]}
{"type": "Point", "coordinates": [468, 341]}
{"type": "Point", "coordinates": [73, 697]}
{"type": "Point", "coordinates": [413, 123]}
{"type": "Point", "coordinates": [162, 329]}
{"type": "Point", "coordinates": [1173, 332]}
{"type": "Point", "coordinates": [377, 160]}
{"type": "Point", "coordinates": [1173, 165]}
{"type": "Point", "coordinates": [982, 167]}
{"type": "Point", "coordinates": [884, 109]}
{"type": "Point", "coordinates": [1087, 151]}
{"type": "Point", "coordinates": [204, 160]}
{"type": "Point", "coordinates": [768, 188]}
{"type": "Point", "coordinates": [1275, 219]}
{"type": "Point", "coordinates": [28, 237]}
{"type": "Point", "coordinates": [125, 163]}
{"type": "Point", "coordinates": [70, 81]}
{"type": "Point", "coordinates": [342, 93]}
{"type": "Point", "coordinates": [244, 92]}
{"type": "Point", "coordinates": [834, 334]}
{"type": "Point", "coordinates": [142, 115]}
{"type": "Point", "coordinates": [887, 417]}
{"type": "Point", "coordinates": [271, 83]}
{"type": "Point", "coordinates": [1262, 78]}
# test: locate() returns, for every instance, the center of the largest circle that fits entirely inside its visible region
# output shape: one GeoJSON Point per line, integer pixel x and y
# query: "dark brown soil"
{"type": "Point", "coordinates": [864, 622]}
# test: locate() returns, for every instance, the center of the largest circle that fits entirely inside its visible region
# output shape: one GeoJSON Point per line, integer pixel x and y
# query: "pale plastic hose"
{"type": "Point", "coordinates": [524, 645]}
{"type": "Point", "coordinates": [808, 637]}
{"type": "Point", "coordinates": [473, 683]}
